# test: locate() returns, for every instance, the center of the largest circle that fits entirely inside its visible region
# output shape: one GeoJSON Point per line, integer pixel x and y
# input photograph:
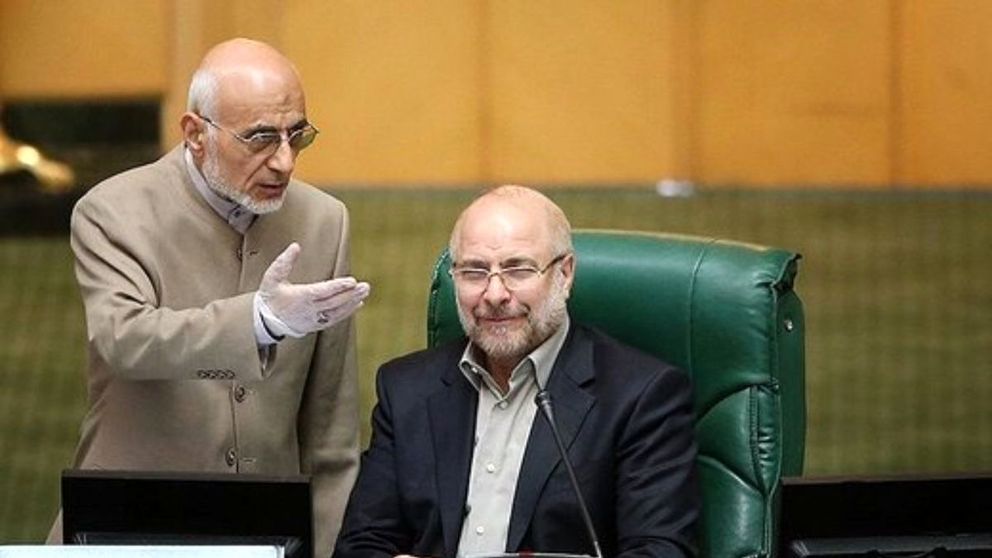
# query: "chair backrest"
{"type": "Point", "coordinates": [726, 313]}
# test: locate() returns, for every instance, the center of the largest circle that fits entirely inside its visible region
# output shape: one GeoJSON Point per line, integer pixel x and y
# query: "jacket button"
{"type": "Point", "coordinates": [231, 457]}
{"type": "Point", "coordinates": [240, 393]}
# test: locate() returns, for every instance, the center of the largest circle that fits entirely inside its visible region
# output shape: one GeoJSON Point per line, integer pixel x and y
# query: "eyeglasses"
{"type": "Point", "coordinates": [476, 279]}
{"type": "Point", "coordinates": [269, 140]}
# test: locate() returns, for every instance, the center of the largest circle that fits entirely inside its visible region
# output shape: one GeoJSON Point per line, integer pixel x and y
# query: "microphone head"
{"type": "Point", "coordinates": [542, 398]}
{"type": "Point", "coordinates": [543, 402]}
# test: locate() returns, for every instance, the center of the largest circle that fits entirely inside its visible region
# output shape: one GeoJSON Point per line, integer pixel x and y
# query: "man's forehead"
{"type": "Point", "coordinates": [268, 112]}
{"type": "Point", "coordinates": [260, 99]}
{"type": "Point", "coordinates": [506, 223]}
{"type": "Point", "coordinates": [498, 239]}
{"type": "Point", "coordinates": [506, 213]}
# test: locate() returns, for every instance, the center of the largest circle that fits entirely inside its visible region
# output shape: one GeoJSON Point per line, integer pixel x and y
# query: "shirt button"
{"type": "Point", "coordinates": [503, 404]}
{"type": "Point", "coordinates": [240, 393]}
{"type": "Point", "coordinates": [480, 530]}
{"type": "Point", "coordinates": [231, 457]}
{"type": "Point", "coordinates": [490, 467]}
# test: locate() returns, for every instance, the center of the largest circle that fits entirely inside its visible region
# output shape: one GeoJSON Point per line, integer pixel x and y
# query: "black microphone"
{"type": "Point", "coordinates": [543, 401]}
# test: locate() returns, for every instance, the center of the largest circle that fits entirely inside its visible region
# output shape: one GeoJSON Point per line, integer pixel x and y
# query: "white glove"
{"type": "Point", "coordinates": [297, 310]}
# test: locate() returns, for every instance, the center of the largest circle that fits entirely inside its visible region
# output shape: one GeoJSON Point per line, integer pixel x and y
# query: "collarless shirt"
{"type": "Point", "coordinates": [502, 427]}
{"type": "Point", "coordinates": [234, 213]}
{"type": "Point", "coordinates": [240, 219]}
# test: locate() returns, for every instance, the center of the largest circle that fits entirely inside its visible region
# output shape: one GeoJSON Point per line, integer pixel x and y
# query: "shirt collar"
{"type": "Point", "coordinates": [234, 213]}
{"type": "Point", "coordinates": [541, 360]}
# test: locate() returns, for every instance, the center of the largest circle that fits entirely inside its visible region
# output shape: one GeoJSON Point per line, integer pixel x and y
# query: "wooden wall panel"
{"type": "Point", "coordinates": [76, 49]}
{"type": "Point", "coordinates": [739, 92]}
{"type": "Point", "coordinates": [393, 86]}
{"type": "Point", "coordinates": [791, 92]}
{"type": "Point", "coordinates": [946, 96]}
{"type": "Point", "coordinates": [581, 91]}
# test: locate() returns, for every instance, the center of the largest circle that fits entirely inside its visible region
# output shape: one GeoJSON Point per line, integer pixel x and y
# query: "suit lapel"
{"type": "Point", "coordinates": [452, 413]}
{"type": "Point", "coordinates": [571, 402]}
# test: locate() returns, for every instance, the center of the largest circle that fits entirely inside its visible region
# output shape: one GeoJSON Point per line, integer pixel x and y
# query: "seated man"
{"type": "Point", "coordinates": [460, 464]}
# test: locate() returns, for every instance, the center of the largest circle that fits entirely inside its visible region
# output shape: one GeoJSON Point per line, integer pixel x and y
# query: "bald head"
{"type": "Point", "coordinates": [242, 95]}
{"type": "Point", "coordinates": [524, 201]}
{"type": "Point", "coordinates": [233, 65]}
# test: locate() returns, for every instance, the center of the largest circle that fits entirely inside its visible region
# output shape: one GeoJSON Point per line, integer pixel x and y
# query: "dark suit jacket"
{"type": "Point", "coordinates": [626, 420]}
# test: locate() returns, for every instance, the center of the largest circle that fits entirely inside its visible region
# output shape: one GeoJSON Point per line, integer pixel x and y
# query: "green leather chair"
{"type": "Point", "coordinates": [726, 313]}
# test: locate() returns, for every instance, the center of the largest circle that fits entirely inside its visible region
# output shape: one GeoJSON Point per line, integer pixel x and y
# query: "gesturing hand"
{"type": "Point", "coordinates": [297, 310]}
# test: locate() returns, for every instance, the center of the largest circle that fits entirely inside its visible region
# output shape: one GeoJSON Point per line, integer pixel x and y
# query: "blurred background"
{"type": "Point", "coordinates": [857, 132]}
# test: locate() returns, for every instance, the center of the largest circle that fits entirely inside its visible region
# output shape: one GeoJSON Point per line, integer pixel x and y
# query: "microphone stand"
{"type": "Point", "coordinates": [543, 401]}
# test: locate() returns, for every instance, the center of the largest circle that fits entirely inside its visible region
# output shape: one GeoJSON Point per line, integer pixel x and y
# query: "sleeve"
{"type": "Point", "coordinates": [657, 502]}
{"type": "Point", "coordinates": [130, 330]}
{"type": "Point", "coordinates": [373, 527]}
{"type": "Point", "coordinates": [328, 421]}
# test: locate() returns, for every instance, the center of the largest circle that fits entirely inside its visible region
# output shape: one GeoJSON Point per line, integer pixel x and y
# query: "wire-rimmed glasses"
{"type": "Point", "coordinates": [476, 279]}
{"type": "Point", "coordinates": [262, 141]}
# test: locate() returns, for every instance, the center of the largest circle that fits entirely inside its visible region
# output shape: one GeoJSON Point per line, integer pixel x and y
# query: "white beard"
{"type": "Point", "coordinates": [219, 184]}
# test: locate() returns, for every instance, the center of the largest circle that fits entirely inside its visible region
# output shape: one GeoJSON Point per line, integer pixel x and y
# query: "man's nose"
{"type": "Point", "coordinates": [496, 291]}
{"type": "Point", "coordinates": [283, 160]}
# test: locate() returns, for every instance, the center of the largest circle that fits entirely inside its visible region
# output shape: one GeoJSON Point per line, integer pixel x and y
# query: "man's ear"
{"type": "Point", "coordinates": [568, 271]}
{"type": "Point", "coordinates": [192, 127]}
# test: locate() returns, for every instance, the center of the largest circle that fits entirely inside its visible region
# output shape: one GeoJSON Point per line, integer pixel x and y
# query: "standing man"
{"type": "Point", "coordinates": [460, 464]}
{"type": "Point", "coordinates": [218, 299]}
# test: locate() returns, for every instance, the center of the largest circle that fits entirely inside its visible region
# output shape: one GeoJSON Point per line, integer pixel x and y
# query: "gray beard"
{"type": "Point", "coordinates": [216, 182]}
{"type": "Point", "coordinates": [542, 321]}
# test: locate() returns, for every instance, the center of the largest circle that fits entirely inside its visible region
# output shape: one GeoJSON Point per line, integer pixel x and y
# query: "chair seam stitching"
{"type": "Point", "coordinates": [691, 337]}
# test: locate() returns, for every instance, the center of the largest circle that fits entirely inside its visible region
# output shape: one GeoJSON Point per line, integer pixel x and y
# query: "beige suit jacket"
{"type": "Point", "coordinates": [176, 381]}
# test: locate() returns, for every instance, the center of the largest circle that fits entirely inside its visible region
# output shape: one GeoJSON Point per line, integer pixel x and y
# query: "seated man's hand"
{"type": "Point", "coordinates": [297, 310]}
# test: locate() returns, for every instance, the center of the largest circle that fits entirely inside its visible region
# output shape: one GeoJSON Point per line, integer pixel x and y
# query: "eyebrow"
{"type": "Point", "coordinates": [515, 261]}
{"type": "Point", "coordinates": [475, 264]}
{"type": "Point", "coordinates": [265, 128]}
{"type": "Point", "coordinates": [300, 124]}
